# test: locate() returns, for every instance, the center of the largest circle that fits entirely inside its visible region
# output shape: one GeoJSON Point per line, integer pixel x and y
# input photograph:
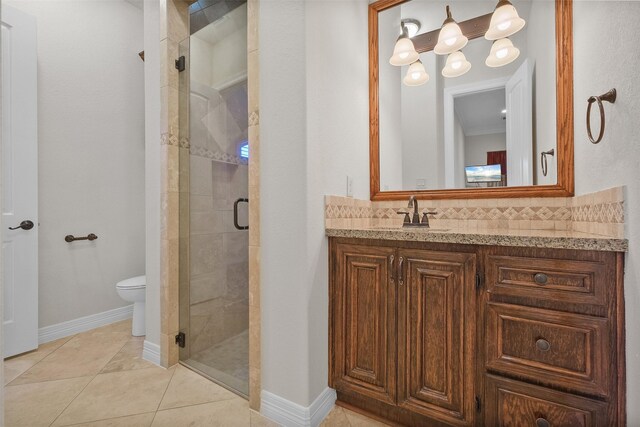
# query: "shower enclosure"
{"type": "Point", "coordinates": [214, 269]}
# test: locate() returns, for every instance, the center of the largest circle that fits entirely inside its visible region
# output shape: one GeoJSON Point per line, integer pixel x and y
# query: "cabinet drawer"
{"type": "Point", "coordinates": [556, 280]}
{"type": "Point", "coordinates": [553, 348]}
{"type": "Point", "coordinates": [511, 403]}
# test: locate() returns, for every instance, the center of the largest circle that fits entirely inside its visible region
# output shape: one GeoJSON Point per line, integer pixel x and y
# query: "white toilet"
{"type": "Point", "coordinates": [133, 290]}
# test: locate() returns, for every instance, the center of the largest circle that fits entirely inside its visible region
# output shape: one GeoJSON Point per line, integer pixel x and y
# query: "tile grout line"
{"type": "Point", "coordinates": [34, 365]}
{"type": "Point", "coordinates": [87, 385]}
{"type": "Point", "coordinates": [72, 400]}
{"type": "Point", "coordinates": [58, 379]}
{"type": "Point", "coordinates": [106, 419]}
{"type": "Point", "coordinates": [117, 353]}
{"type": "Point", "coordinates": [163, 394]}
{"type": "Point", "coordinates": [83, 389]}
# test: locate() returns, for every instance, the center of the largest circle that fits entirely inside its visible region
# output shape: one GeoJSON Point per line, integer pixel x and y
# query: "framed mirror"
{"type": "Point", "coordinates": [481, 119]}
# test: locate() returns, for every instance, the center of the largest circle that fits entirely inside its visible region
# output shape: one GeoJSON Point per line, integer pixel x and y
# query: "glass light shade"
{"type": "Point", "coordinates": [456, 65]}
{"type": "Point", "coordinates": [503, 52]}
{"type": "Point", "coordinates": [450, 38]}
{"type": "Point", "coordinates": [504, 21]}
{"type": "Point", "coordinates": [416, 74]}
{"type": "Point", "coordinates": [404, 53]}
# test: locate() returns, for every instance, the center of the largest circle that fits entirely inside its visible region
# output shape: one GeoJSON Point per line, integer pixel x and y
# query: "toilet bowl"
{"type": "Point", "coordinates": [133, 290]}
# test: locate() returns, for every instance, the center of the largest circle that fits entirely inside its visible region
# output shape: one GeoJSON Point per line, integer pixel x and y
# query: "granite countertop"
{"type": "Point", "coordinates": [491, 237]}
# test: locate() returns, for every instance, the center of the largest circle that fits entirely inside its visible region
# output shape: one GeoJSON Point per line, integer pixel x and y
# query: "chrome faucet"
{"type": "Point", "coordinates": [415, 220]}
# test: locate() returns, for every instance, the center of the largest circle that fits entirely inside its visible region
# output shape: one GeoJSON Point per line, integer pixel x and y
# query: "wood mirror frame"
{"type": "Point", "coordinates": [564, 117]}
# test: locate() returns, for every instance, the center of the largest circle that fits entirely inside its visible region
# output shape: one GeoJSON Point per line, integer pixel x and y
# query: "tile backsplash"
{"type": "Point", "coordinates": [599, 213]}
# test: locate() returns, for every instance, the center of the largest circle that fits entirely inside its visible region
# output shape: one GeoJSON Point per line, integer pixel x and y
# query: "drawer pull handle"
{"type": "Point", "coordinates": [392, 268]}
{"type": "Point", "coordinates": [543, 345]}
{"type": "Point", "coordinates": [541, 278]}
{"type": "Point", "coordinates": [541, 422]}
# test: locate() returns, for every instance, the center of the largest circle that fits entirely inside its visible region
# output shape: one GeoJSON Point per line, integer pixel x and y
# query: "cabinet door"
{"type": "Point", "coordinates": [436, 334]}
{"type": "Point", "coordinates": [363, 321]}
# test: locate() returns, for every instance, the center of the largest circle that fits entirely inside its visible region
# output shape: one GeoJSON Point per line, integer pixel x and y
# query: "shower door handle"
{"type": "Point", "coordinates": [235, 214]}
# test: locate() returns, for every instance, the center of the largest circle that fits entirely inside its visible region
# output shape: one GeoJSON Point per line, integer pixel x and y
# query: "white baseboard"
{"type": "Point", "coordinates": [290, 414]}
{"type": "Point", "coordinates": [151, 352]}
{"type": "Point", "coordinates": [83, 324]}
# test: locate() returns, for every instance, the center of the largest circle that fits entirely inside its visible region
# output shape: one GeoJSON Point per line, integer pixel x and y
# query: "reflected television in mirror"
{"type": "Point", "coordinates": [483, 174]}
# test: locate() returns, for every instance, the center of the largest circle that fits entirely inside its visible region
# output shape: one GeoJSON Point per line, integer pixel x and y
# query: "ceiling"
{"type": "Point", "coordinates": [224, 25]}
{"type": "Point", "coordinates": [136, 3]}
{"type": "Point", "coordinates": [481, 113]}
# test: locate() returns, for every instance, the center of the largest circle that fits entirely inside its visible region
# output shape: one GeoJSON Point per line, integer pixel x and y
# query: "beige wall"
{"type": "Point", "coordinates": [313, 133]}
{"type": "Point", "coordinates": [91, 153]}
{"type": "Point", "coordinates": [600, 65]}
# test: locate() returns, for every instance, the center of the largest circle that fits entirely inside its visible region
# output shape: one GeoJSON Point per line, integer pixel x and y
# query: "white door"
{"type": "Point", "coordinates": [519, 93]}
{"type": "Point", "coordinates": [19, 182]}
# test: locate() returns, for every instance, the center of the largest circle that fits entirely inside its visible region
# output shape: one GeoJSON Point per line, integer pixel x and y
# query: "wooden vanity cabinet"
{"type": "Point", "coordinates": [553, 344]}
{"type": "Point", "coordinates": [436, 334]}
{"type": "Point", "coordinates": [427, 334]}
{"type": "Point", "coordinates": [402, 332]}
{"type": "Point", "coordinates": [363, 305]}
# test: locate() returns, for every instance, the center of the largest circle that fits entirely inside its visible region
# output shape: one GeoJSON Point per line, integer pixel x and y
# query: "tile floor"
{"type": "Point", "coordinates": [227, 361]}
{"type": "Point", "coordinates": [99, 379]}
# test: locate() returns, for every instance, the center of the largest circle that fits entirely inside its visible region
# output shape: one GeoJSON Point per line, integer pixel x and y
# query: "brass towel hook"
{"type": "Point", "coordinates": [609, 97]}
{"type": "Point", "coordinates": [543, 160]}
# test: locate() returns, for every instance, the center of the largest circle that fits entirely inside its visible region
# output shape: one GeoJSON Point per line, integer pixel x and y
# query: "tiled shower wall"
{"type": "Point", "coordinates": [219, 264]}
{"type": "Point", "coordinates": [599, 213]}
{"type": "Point", "coordinates": [174, 140]}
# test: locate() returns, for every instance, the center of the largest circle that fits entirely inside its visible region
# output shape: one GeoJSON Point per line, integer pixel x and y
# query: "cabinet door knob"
{"type": "Point", "coordinates": [401, 271]}
{"type": "Point", "coordinates": [543, 345]}
{"type": "Point", "coordinates": [541, 422]}
{"type": "Point", "coordinates": [541, 278]}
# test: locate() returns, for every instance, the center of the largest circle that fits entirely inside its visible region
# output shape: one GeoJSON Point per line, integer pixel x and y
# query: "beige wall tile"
{"type": "Point", "coordinates": [253, 8]}
{"type": "Point", "coordinates": [184, 175]}
{"type": "Point", "coordinates": [525, 224]}
{"type": "Point", "coordinates": [169, 220]}
{"type": "Point", "coordinates": [169, 107]}
{"type": "Point", "coordinates": [177, 18]}
{"type": "Point", "coordinates": [168, 350]}
{"type": "Point", "coordinates": [168, 71]}
{"type": "Point", "coordinates": [254, 354]}
{"type": "Point", "coordinates": [254, 276]}
{"type": "Point", "coordinates": [170, 168]}
{"type": "Point", "coordinates": [253, 70]}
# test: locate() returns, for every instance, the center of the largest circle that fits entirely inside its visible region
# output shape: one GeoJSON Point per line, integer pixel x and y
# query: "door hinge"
{"type": "Point", "coordinates": [181, 63]}
{"type": "Point", "coordinates": [478, 404]}
{"type": "Point", "coordinates": [478, 281]}
{"type": "Point", "coordinates": [181, 339]}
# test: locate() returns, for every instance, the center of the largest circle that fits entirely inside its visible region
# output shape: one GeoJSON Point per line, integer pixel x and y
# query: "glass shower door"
{"type": "Point", "coordinates": [214, 312]}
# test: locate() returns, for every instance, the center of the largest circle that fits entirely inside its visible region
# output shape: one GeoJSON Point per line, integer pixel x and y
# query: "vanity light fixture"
{"type": "Point", "coordinates": [503, 52]}
{"type": "Point", "coordinates": [450, 38]}
{"type": "Point", "coordinates": [456, 65]}
{"type": "Point", "coordinates": [504, 21]}
{"type": "Point", "coordinates": [416, 75]}
{"type": "Point", "coordinates": [404, 52]}
{"type": "Point", "coordinates": [412, 26]}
